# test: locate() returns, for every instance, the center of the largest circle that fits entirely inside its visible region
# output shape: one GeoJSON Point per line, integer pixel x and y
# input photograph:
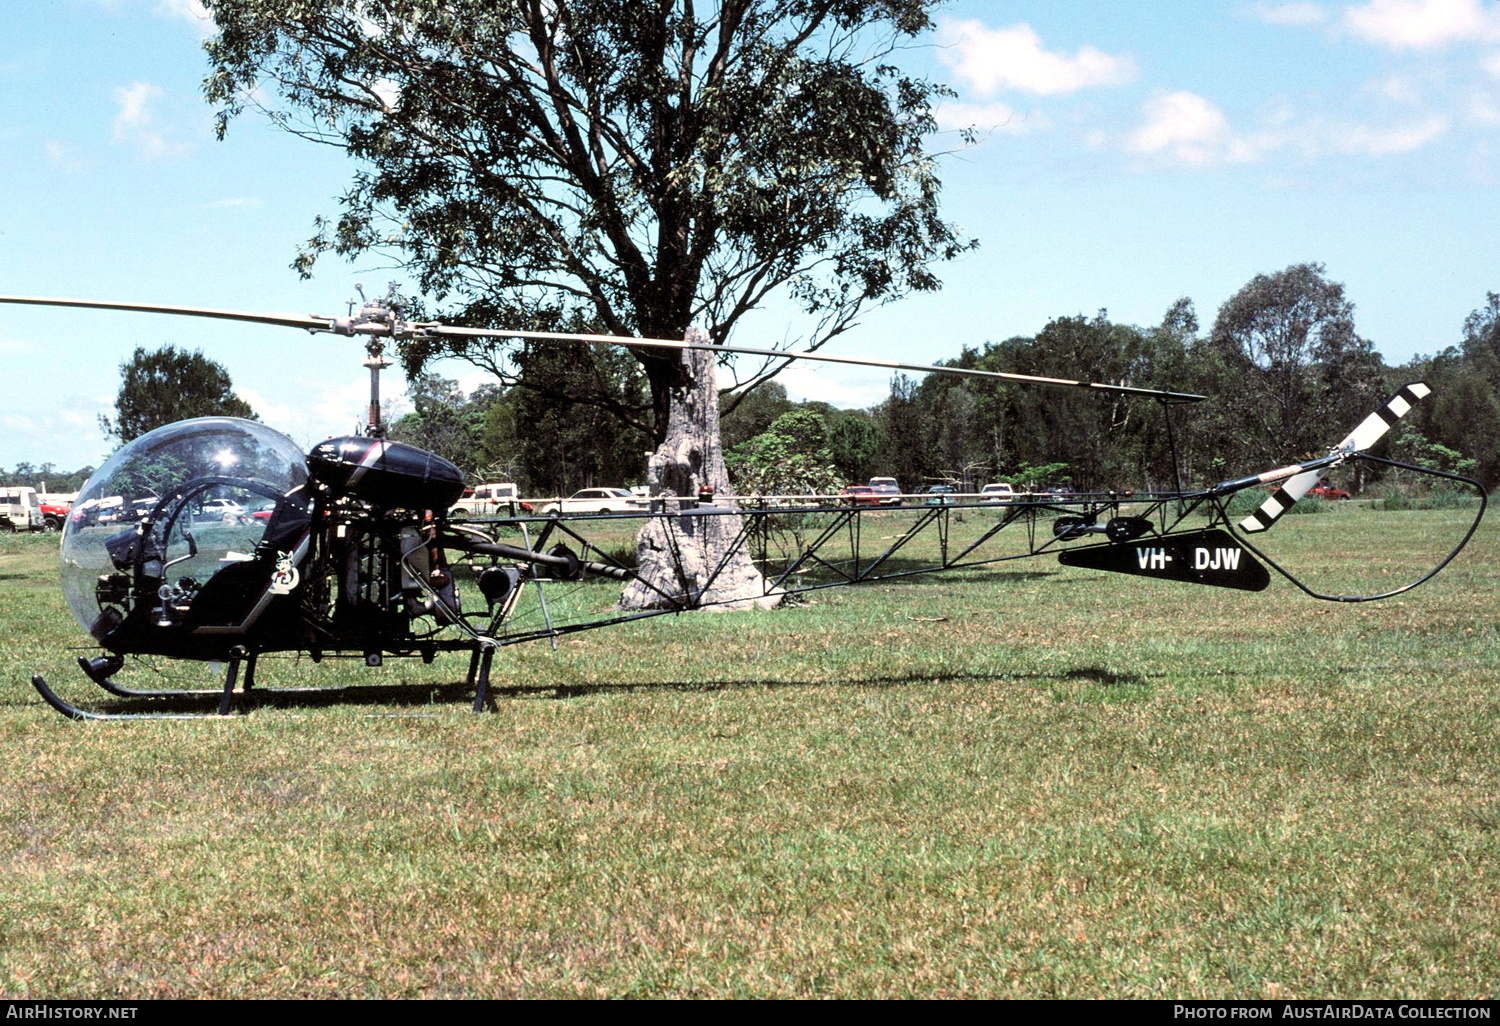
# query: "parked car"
{"type": "Point", "coordinates": [55, 514]}
{"type": "Point", "coordinates": [20, 510]}
{"type": "Point", "coordinates": [940, 495]}
{"type": "Point", "coordinates": [214, 511]}
{"type": "Point", "coordinates": [596, 500]}
{"type": "Point", "coordinates": [861, 495]}
{"type": "Point", "coordinates": [55, 509]}
{"type": "Point", "coordinates": [1000, 491]}
{"type": "Point", "coordinates": [498, 498]}
{"type": "Point", "coordinates": [1324, 490]}
{"type": "Point", "coordinates": [887, 489]}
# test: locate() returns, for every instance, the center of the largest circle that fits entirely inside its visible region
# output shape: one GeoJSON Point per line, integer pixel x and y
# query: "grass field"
{"type": "Point", "coordinates": [1021, 782]}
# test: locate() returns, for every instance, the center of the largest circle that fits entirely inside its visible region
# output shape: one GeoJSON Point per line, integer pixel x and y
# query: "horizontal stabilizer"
{"type": "Point", "coordinates": [1209, 557]}
{"type": "Point", "coordinates": [1369, 431]}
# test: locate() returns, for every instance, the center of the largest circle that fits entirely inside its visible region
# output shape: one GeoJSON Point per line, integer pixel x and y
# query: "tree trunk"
{"type": "Point", "coordinates": [688, 561]}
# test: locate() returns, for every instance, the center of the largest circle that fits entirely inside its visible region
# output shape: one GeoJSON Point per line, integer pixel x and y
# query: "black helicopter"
{"type": "Point", "coordinates": [218, 539]}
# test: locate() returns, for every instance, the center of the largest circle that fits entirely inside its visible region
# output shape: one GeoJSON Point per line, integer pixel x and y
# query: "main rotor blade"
{"type": "Point", "coordinates": [858, 361]}
{"type": "Point", "coordinates": [307, 322]}
{"type": "Point", "coordinates": [406, 329]}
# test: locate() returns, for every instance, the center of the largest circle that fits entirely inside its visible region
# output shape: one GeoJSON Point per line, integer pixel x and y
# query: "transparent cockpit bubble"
{"type": "Point", "coordinates": [179, 503]}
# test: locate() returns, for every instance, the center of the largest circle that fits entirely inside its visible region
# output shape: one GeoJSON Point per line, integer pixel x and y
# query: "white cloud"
{"type": "Point", "coordinates": [852, 388]}
{"type": "Point", "coordinates": [1297, 14]}
{"type": "Point", "coordinates": [191, 11]}
{"type": "Point", "coordinates": [1421, 24]}
{"type": "Point", "coordinates": [1382, 140]}
{"type": "Point", "coordinates": [1397, 89]}
{"type": "Point", "coordinates": [134, 123]}
{"type": "Point", "coordinates": [271, 412]}
{"type": "Point", "coordinates": [61, 157]}
{"type": "Point", "coordinates": [1189, 129]}
{"type": "Point", "coordinates": [991, 60]}
{"type": "Point", "coordinates": [1483, 110]}
{"type": "Point", "coordinates": [1491, 65]}
{"type": "Point", "coordinates": [310, 411]}
{"type": "Point", "coordinates": [1185, 128]}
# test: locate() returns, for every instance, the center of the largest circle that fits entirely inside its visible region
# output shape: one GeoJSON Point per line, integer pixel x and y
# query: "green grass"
{"type": "Point", "coordinates": [1025, 781]}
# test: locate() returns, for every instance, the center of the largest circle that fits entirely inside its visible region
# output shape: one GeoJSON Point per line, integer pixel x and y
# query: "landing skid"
{"type": "Point", "coordinates": [73, 712]}
{"type": "Point", "coordinates": [101, 669]}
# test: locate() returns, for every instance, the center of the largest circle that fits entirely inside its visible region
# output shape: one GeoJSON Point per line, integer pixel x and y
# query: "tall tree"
{"type": "Point", "coordinates": [1481, 345]}
{"type": "Point", "coordinates": [854, 442]}
{"type": "Point", "coordinates": [168, 385]}
{"type": "Point", "coordinates": [441, 421]}
{"type": "Point", "coordinates": [643, 166]}
{"type": "Point", "coordinates": [639, 166]}
{"type": "Point", "coordinates": [565, 439]}
{"type": "Point", "coordinates": [1290, 336]}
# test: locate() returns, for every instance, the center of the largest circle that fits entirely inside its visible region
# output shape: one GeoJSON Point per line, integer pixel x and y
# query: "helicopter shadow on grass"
{"type": "Point", "coordinates": [924, 574]}
{"type": "Point", "coordinates": [444, 698]}
{"type": "Point", "coordinates": [1096, 676]}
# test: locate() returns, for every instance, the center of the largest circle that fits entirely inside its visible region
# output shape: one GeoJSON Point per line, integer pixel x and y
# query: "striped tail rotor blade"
{"type": "Point", "coordinates": [1281, 500]}
{"type": "Point", "coordinates": [1374, 427]}
{"type": "Point", "coordinates": [1369, 431]}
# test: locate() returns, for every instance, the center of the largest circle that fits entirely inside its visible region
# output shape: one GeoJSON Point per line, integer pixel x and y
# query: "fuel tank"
{"type": "Point", "coordinates": [387, 474]}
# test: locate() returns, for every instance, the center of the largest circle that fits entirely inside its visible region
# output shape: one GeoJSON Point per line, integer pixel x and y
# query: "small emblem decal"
{"type": "Point", "coordinates": [286, 577]}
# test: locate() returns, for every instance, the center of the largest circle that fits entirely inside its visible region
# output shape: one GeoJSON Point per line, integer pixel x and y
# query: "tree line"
{"type": "Point", "coordinates": [1286, 373]}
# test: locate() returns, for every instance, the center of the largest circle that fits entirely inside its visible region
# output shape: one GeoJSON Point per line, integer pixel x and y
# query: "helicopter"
{"type": "Point", "coordinates": [221, 540]}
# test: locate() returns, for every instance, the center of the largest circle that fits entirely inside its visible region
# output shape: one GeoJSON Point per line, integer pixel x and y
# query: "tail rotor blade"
{"type": "Point", "coordinates": [1369, 431]}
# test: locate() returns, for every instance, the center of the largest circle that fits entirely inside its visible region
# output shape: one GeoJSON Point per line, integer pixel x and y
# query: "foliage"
{"type": "Point", "coordinates": [169, 385]}
{"type": "Point", "coordinates": [854, 445]}
{"type": "Point", "coordinates": [546, 436]}
{"type": "Point", "coordinates": [1289, 337]}
{"type": "Point", "coordinates": [643, 167]}
{"type": "Point", "coordinates": [790, 457]}
{"type": "Point", "coordinates": [45, 478]}
{"type": "Point", "coordinates": [943, 428]}
{"type": "Point", "coordinates": [906, 424]}
{"type": "Point", "coordinates": [753, 413]}
{"type": "Point", "coordinates": [445, 421]}
{"type": "Point", "coordinates": [1411, 447]}
{"type": "Point", "coordinates": [150, 474]}
{"type": "Point", "coordinates": [566, 437]}
{"type": "Point", "coordinates": [1026, 478]}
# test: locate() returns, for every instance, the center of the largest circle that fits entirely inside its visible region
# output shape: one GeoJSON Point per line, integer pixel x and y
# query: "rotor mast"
{"type": "Point", "coordinates": [377, 362]}
{"type": "Point", "coordinates": [376, 312]}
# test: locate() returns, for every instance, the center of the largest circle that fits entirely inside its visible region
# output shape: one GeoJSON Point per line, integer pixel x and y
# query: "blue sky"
{"type": "Point", "coordinates": [1129, 155]}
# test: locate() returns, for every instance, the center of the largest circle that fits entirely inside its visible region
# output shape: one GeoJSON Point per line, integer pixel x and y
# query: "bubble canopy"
{"type": "Point", "coordinates": [197, 494]}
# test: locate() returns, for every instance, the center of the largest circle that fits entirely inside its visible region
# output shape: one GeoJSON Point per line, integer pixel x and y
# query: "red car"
{"type": "Point", "coordinates": [1324, 490]}
{"type": "Point", "coordinates": [861, 495]}
{"type": "Point", "coordinates": [55, 514]}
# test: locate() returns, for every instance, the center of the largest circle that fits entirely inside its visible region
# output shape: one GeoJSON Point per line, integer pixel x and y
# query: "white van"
{"type": "Point", "coordinates": [20, 510]}
{"type": "Point", "coordinates": [498, 498]}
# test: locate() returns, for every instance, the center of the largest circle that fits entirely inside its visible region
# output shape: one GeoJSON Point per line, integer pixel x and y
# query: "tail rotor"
{"type": "Point", "coordinates": [1304, 476]}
